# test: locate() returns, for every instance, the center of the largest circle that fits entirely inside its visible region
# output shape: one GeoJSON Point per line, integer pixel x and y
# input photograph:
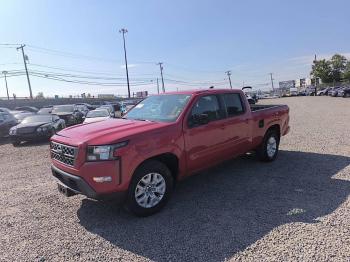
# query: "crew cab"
{"type": "Point", "coordinates": [163, 139]}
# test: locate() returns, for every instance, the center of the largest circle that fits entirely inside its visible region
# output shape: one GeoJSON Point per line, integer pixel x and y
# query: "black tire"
{"type": "Point", "coordinates": [151, 166]}
{"type": "Point", "coordinates": [262, 151]}
{"type": "Point", "coordinates": [16, 143]}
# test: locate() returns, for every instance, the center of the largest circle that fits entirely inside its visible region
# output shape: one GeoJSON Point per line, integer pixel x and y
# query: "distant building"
{"type": "Point", "coordinates": [106, 96]}
{"type": "Point", "coordinates": [141, 94]}
{"type": "Point", "coordinates": [285, 86]}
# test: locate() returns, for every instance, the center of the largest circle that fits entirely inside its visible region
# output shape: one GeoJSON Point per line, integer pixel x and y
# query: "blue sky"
{"type": "Point", "coordinates": [197, 41]}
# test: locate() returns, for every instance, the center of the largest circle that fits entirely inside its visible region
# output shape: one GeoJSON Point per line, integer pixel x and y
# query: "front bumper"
{"type": "Point", "coordinates": [79, 186]}
{"type": "Point", "coordinates": [29, 137]}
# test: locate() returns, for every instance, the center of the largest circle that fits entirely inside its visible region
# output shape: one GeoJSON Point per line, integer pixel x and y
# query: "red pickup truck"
{"type": "Point", "coordinates": [163, 139]}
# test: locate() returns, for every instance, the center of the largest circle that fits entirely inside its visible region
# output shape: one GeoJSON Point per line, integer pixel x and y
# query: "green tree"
{"type": "Point", "coordinates": [322, 69]}
{"type": "Point", "coordinates": [338, 64]}
{"type": "Point", "coordinates": [40, 95]}
{"type": "Point", "coordinates": [346, 74]}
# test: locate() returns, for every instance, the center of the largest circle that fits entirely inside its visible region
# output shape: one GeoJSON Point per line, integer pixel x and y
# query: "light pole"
{"type": "Point", "coordinates": [7, 90]}
{"type": "Point", "coordinates": [124, 31]}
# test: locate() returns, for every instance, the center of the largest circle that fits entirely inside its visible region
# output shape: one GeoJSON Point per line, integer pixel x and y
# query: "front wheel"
{"type": "Point", "coordinates": [16, 143]}
{"type": "Point", "coordinates": [150, 188]}
{"type": "Point", "coordinates": [268, 149]}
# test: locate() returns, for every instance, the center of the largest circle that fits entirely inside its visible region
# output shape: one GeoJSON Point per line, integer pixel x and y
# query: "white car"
{"type": "Point", "coordinates": [97, 115]}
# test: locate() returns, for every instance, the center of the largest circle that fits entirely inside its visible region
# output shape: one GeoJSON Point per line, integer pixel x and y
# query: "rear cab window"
{"type": "Point", "coordinates": [233, 104]}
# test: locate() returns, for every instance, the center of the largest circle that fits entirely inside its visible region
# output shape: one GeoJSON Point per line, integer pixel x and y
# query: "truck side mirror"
{"type": "Point", "coordinates": [198, 120]}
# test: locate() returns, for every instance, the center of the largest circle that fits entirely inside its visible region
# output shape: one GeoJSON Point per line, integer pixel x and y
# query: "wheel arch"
{"type": "Point", "coordinates": [276, 128]}
{"type": "Point", "coordinates": [169, 159]}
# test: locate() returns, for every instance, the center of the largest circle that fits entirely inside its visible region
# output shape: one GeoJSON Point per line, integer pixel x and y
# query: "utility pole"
{"type": "Point", "coordinates": [315, 77]}
{"type": "Point", "coordinates": [25, 58]}
{"type": "Point", "coordinates": [124, 31]}
{"type": "Point", "coordinates": [157, 85]}
{"type": "Point", "coordinates": [161, 73]}
{"type": "Point", "coordinates": [273, 88]}
{"type": "Point", "coordinates": [229, 77]}
{"type": "Point", "coordinates": [7, 90]}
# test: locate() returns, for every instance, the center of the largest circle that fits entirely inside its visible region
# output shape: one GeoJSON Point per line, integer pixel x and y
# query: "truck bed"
{"type": "Point", "coordinates": [254, 108]}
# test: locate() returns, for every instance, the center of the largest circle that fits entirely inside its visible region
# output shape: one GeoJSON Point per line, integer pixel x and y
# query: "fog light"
{"type": "Point", "coordinates": [102, 179]}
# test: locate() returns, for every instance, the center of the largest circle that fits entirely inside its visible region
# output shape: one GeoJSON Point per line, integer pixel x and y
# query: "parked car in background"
{"type": "Point", "coordinates": [69, 113]}
{"type": "Point", "coordinates": [163, 139]}
{"type": "Point", "coordinates": [45, 111]}
{"type": "Point", "coordinates": [109, 108]}
{"type": "Point", "coordinates": [21, 115]}
{"type": "Point", "coordinates": [334, 91]}
{"type": "Point", "coordinates": [82, 108]}
{"type": "Point", "coordinates": [27, 108]}
{"type": "Point", "coordinates": [324, 92]}
{"type": "Point", "coordinates": [346, 92]}
{"type": "Point", "coordinates": [96, 115]}
{"type": "Point", "coordinates": [36, 127]}
{"type": "Point", "coordinates": [7, 121]}
{"type": "Point", "coordinates": [88, 106]}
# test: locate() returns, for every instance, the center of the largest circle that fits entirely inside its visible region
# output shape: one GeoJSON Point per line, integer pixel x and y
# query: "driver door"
{"type": "Point", "coordinates": [204, 142]}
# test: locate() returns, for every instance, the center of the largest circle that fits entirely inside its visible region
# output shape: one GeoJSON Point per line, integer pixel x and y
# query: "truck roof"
{"type": "Point", "coordinates": [199, 91]}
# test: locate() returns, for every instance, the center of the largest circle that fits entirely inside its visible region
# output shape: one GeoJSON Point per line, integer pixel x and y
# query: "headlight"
{"type": "Point", "coordinates": [13, 131]}
{"type": "Point", "coordinates": [39, 129]}
{"type": "Point", "coordinates": [106, 152]}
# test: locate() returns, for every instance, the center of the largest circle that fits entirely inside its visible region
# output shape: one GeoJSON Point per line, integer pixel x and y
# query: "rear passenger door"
{"type": "Point", "coordinates": [204, 142]}
{"type": "Point", "coordinates": [237, 126]}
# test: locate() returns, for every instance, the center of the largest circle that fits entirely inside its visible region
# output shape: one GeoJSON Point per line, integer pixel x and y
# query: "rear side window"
{"type": "Point", "coordinates": [233, 104]}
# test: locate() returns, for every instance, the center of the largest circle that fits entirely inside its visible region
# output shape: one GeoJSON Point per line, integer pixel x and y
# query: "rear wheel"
{"type": "Point", "coordinates": [150, 188]}
{"type": "Point", "coordinates": [268, 149]}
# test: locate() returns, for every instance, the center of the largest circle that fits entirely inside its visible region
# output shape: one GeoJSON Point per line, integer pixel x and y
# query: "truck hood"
{"type": "Point", "coordinates": [105, 132]}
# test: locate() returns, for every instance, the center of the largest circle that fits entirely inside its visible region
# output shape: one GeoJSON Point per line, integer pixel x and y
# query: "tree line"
{"type": "Point", "coordinates": [336, 69]}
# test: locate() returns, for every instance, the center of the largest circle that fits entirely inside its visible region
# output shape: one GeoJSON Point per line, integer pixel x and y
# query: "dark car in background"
{"type": "Point", "coordinates": [21, 115]}
{"type": "Point", "coordinates": [82, 108]}
{"type": "Point", "coordinates": [45, 110]}
{"type": "Point", "coordinates": [27, 108]}
{"type": "Point", "coordinates": [36, 127]}
{"type": "Point", "coordinates": [324, 92]}
{"type": "Point", "coordinates": [346, 92]}
{"type": "Point", "coordinates": [7, 121]}
{"type": "Point", "coordinates": [89, 106]}
{"type": "Point", "coordinates": [334, 91]}
{"type": "Point", "coordinates": [69, 113]}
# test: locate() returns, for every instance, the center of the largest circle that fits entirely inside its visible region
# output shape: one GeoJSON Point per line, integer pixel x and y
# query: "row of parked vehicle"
{"type": "Point", "coordinates": [30, 123]}
{"type": "Point", "coordinates": [338, 91]}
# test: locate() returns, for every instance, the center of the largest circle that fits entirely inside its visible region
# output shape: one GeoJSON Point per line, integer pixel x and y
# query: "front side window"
{"type": "Point", "coordinates": [207, 106]}
{"type": "Point", "coordinates": [233, 104]}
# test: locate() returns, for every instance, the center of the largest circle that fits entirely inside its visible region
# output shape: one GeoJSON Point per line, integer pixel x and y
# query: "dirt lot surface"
{"type": "Point", "coordinates": [294, 209]}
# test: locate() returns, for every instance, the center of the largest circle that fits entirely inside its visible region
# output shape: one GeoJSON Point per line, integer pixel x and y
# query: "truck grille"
{"type": "Point", "coordinates": [63, 153]}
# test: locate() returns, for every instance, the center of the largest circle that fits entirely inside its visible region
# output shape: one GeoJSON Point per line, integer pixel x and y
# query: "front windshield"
{"type": "Point", "coordinates": [62, 109]}
{"type": "Point", "coordinates": [162, 108]}
{"type": "Point", "coordinates": [33, 119]}
{"type": "Point", "coordinates": [97, 113]}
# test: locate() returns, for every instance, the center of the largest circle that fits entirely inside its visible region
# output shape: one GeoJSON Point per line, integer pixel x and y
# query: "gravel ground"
{"type": "Point", "coordinates": [294, 209]}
